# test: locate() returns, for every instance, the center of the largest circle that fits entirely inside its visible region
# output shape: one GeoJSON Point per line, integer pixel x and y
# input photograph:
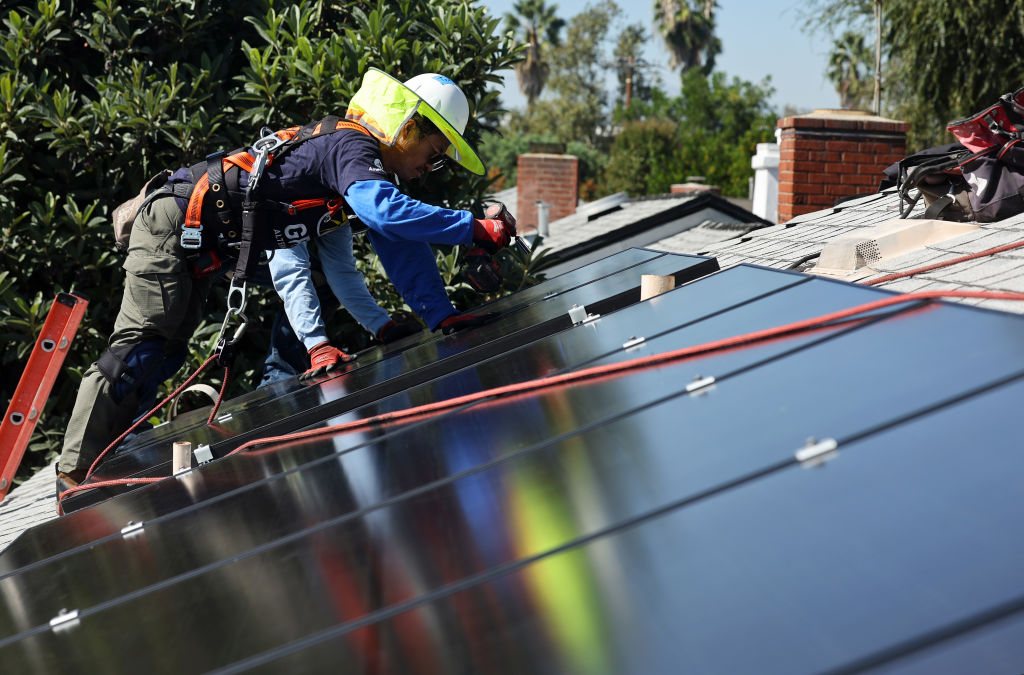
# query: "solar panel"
{"type": "Point", "coordinates": [619, 525]}
{"type": "Point", "coordinates": [865, 562]}
{"type": "Point", "coordinates": [366, 380]}
{"type": "Point", "coordinates": [732, 289]}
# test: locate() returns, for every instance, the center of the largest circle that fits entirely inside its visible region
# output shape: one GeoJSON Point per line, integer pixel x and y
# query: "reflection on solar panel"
{"type": "Point", "coordinates": [835, 500]}
{"type": "Point", "coordinates": [541, 310]}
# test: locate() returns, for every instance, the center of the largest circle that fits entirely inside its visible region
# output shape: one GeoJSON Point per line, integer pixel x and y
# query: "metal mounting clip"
{"type": "Point", "coordinates": [816, 453]}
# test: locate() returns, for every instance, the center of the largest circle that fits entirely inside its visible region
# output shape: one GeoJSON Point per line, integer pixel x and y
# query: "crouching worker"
{"type": "Point", "coordinates": [290, 186]}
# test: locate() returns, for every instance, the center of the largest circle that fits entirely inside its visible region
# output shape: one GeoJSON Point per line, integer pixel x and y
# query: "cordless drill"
{"type": "Point", "coordinates": [479, 268]}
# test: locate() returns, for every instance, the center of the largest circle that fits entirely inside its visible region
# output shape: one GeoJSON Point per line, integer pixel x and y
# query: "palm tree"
{"type": "Point", "coordinates": [688, 28]}
{"type": "Point", "coordinates": [535, 25]}
{"type": "Point", "coordinates": [850, 68]}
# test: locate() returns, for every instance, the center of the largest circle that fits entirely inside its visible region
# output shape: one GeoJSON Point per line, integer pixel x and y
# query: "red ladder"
{"type": "Point", "coordinates": [36, 382]}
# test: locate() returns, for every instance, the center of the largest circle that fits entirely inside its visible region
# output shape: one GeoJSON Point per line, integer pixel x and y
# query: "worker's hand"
{"type": "Point", "coordinates": [492, 234]}
{"type": "Point", "coordinates": [324, 358]}
{"type": "Point", "coordinates": [457, 322]}
{"type": "Point", "coordinates": [396, 330]}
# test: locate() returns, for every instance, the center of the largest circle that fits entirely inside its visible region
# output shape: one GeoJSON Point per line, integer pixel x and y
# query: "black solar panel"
{"type": "Point", "coordinates": [624, 524]}
{"type": "Point", "coordinates": [376, 374]}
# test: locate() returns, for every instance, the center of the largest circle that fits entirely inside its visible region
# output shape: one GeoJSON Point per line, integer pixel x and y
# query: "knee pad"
{"type": "Point", "coordinates": [133, 368]}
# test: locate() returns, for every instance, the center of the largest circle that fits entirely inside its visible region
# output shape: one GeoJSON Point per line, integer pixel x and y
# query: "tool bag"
{"type": "Point", "coordinates": [124, 214]}
{"type": "Point", "coordinates": [979, 179]}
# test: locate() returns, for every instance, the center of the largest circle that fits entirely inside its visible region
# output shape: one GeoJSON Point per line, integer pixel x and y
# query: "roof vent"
{"type": "Point", "coordinates": [852, 256]}
{"type": "Point", "coordinates": [603, 206]}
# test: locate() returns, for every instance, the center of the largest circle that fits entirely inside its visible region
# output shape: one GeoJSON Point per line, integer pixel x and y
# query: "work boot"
{"type": "Point", "coordinates": [69, 480]}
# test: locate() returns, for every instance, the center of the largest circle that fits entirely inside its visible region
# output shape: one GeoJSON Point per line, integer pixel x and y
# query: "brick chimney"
{"type": "Point", "coordinates": [829, 154]}
{"type": "Point", "coordinates": [550, 178]}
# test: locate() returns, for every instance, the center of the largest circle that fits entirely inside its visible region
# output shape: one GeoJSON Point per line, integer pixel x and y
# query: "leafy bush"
{"type": "Point", "coordinates": [711, 129]}
{"type": "Point", "coordinates": [503, 150]}
{"type": "Point", "coordinates": [644, 158]}
{"type": "Point", "coordinates": [97, 96]}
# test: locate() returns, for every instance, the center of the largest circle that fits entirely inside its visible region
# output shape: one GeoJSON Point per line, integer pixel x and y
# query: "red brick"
{"type": "Point", "coordinates": [841, 146]}
{"type": "Point", "coordinates": [801, 123]}
{"type": "Point", "coordinates": [858, 158]}
{"type": "Point", "coordinates": [806, 166]}
{"type": "Point", "coordinates": [786, 154]}
{"type": "Point", "coordinates": [859, 179]}
{"type": "Point", "coordinates": [841, 190]}
{"type": "Point", "coordinates": [806, 189]}
{"type": "Point", "coordinates": [837, 168]}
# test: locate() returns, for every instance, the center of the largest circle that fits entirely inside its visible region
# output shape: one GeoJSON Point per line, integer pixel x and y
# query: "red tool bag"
{"type": "Point", "coordinates": [981, 178]}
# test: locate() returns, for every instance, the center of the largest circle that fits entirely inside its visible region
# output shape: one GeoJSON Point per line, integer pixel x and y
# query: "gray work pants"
{"type": "Point", "coordinates": [161, 301]}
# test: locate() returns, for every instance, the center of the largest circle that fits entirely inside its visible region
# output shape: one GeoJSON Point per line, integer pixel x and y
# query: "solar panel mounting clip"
{"type": "Point", "coordinates": [699, 383]}
{"type": "Point", "coordinates": [132, 528]}
{"type": "Point", "coordinates": [633, 342]}
{"type": "Point", "coordinates": [816, 453]}
{"type": "Point", "coordinates": [202, 454]}
{"type": "Point", "coordinates": [64, 619]}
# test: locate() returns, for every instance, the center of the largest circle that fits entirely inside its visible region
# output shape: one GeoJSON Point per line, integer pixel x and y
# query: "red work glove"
{"type": "Point", "coordinates": [324, 358]}
{"type": "Point", "coordinates": [396, 330]}
{"type": "Point", "coordinates": [491, 234]}
{"type": "Point", "coordinates": [462, 321]}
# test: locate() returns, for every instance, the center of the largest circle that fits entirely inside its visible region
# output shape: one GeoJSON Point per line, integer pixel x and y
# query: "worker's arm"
{"type": "Point", "coordinates": [347, 282]}
{"type": "Point", "coordinates": [392, 214]}
{"type": "Point", "coordinates": [293, 281]}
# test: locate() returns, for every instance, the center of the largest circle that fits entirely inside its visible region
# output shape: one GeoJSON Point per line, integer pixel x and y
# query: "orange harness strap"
{"type": "Point", "coordinates": [244, 161]}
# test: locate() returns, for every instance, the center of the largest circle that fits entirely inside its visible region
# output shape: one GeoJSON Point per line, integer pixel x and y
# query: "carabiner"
{"type": "Point", "coordinates": [225, 349]}
{"type": "Point", "coordinates": [261, 151]}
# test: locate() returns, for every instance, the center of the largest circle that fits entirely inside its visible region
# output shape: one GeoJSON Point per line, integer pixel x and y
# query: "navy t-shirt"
{"type": "Point", "coordinates": [324, 167]}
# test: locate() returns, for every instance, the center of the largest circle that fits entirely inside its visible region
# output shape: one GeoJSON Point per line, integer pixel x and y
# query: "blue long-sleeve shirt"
{"type": "Point", "coordinates": [291, 272]}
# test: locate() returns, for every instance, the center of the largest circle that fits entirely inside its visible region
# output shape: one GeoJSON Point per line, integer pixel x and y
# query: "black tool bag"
{"type": "Point", "coordinates": [979, 179]}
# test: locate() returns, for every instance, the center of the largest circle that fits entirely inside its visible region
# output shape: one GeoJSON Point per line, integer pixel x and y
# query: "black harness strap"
{"type": "Point", "coordinates": [219, 188]}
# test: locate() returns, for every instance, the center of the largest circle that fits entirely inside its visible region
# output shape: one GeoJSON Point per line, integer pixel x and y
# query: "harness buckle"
{"type": "Point", "coordinates": [191, 237]}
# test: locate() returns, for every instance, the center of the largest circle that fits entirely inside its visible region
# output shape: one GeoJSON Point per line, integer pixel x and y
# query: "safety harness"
{"type": "Point", "coordinates": [221, 218]}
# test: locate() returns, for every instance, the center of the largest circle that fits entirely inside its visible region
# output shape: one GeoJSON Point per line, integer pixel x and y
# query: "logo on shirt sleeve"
{"type": "Point", "coordinates": [377, 166]}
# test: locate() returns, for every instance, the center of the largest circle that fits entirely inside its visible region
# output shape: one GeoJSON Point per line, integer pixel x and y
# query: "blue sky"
{"type": "Point", "coordinates": [759, 38]}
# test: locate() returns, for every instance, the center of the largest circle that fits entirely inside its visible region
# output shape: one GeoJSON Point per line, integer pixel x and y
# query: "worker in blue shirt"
{"type": "Point", "coordinates": [312, 180]}
{"type": "Point", "coordinates": [400, 228]}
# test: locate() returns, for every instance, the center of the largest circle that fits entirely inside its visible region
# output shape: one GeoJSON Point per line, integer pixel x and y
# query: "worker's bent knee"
{"type": "Point", "coordinates": [135, 368]}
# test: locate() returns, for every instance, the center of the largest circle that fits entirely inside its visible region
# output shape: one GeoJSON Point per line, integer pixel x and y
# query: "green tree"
{"type": "Point", "coordinates": [941, 63]}
{"type": "Point", "coordinates": [537, 28]}
{"type": "Point", "coordinates": [850, 68]}
{"type": "Point", "coordinates": [97, 96]}
{"type": "Point", "coordinates": [711, 129]}
{"type": "Point", "coordinates": [688, 28]}
{"type": "Point", "coordinates": [577, 109]}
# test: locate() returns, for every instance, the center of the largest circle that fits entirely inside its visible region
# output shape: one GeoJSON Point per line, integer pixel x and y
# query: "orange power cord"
{"type": "Point", "coordinates": [532, 386]}
{"type": "Point", "coordinates": [945, 263]}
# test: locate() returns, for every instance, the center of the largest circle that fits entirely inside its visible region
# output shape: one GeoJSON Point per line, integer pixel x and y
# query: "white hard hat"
{"type": "Point", "coordinates": [383, 105]}
{"type": "Point", "coordinates": [444, 96]}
